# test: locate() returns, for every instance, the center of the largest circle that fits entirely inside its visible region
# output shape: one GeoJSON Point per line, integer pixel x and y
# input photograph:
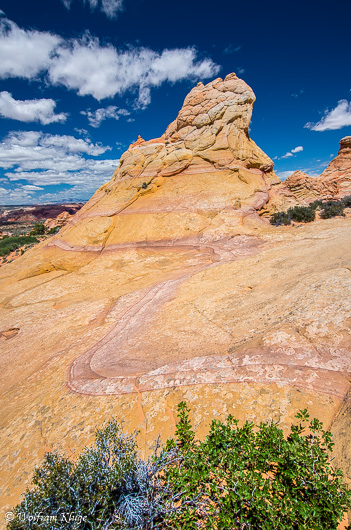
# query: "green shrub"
{"type": "Point", "coordinates": [53, 230]}
{"type": "Point", "coordinates": [347, 201]}
{"type": "Point", "coordinates": [109, 486]}
{"type": "Point", "coordinates": [238, 477]}
{"type": "Point", "coordinates": [280, 218]}
{"type": "Point", "coordinates": [247, 477]}
{"type": "Point", "coordinates": [9, 244]}
{"type": "Point", "coordinates": [316, 205]}
{"type": "Point", "coordinates": [38, 229]}
{"type": "Point", "coordinates": [307, 214]}
{"type": "Point", "coordinates": [332, 209]}
{"type": "Point", "coordinates": [302, 214]}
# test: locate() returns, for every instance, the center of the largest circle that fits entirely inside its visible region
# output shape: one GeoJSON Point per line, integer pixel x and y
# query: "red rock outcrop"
{"type": "Point", "coordinates": [338, 174]}
{"type": "Point", "coordinates": [299, 188]}
{"type": "Point", "coordinates": [61, 220]}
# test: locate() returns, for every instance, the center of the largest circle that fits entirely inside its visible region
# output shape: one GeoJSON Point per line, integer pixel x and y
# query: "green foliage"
{"type": "Point", "coordinates": [347, 201]}
{"type": "Point", "coordinates": [300, 214]}
{"type": "Point", "coordinates": [38, 229]}
{"type": "Point", "coordinates": [332, 209]}
{"type": "Point", "coordinates": [247, 477]}
{"type": "Point", "coordinates": [280, 218]}
{"type": "Point", "coordinates": [316, 205]}
{"type": "Point", "coordinates": [9, 244]}
{"type": "Point", "coordinates": [184, 431]}
{"type": "Point", "coordinates": [90, 488]}
{"type": "Point", "coordinates": [306, 214]}
{"type": "Point", "coordinates": [239, 477]}
{"type": "Point", "coordinates": [53, 230]}
{"type": "Point", "coordinates": [109, 486]}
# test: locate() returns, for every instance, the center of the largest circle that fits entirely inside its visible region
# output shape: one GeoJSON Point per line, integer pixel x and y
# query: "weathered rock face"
{"type": "Point", "coordinates": [60, 221]}
{"type": "Point", "coordinates": [173, 186]}
{"type": "Point", "coordinates": [300, 188]}
{"type": "Point", "coordinates": [338, 173]}
{"type": "Point", "coordinates": [166, 286]}
{"type": "Point", "coordinates": [308, 189]}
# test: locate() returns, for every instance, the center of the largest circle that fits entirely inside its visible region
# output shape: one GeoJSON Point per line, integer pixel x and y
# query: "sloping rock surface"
{"type": "Point", "coordinates": [167, 285]}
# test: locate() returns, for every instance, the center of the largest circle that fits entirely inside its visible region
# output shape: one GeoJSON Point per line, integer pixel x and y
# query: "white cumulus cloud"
{"type": "Point", "coordinates": [89, 68]}
{"type": "Point", "coordinates": [103, 71]}
{"type": "Point", "coordinates": [46, 159]}
{"type": "Point", "coordinates": [70, 144]}
{"type": "Point", "coordinates": [96, 117]}
{"type": "Point", "coordinates": [333, 119]}
{"type": "Point", "coordinates": [40, 110]}
{"type": "Point", "coordinates": [291, 153]}
{"type": "Point", "coordinates": [31, 187]}
{"type": "Point", "coordinates": [284, 174]}
{"type": "Point", "coordinates": [297, 149]}
{"type": "Point", "coordinates": [24, 53]}
{"type": "Point", "coordinates": [111, 8]}
{"type": "Point", "coordinates": [32, 150]}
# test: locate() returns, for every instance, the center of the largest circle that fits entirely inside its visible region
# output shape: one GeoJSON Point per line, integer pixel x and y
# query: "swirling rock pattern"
{"type": "Point", "coordinates": [168, 285]}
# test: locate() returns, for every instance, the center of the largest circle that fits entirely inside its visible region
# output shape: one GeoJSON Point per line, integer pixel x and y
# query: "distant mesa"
{"type": "Point", "coordinates": [36, 213]}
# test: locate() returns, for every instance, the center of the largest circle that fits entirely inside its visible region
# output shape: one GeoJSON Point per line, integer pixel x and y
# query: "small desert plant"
{"type": "Point", "coordinates": [109, 486]}
{"type": "Point", "coordinates": [280, 218]}
{"type": "Point", "coordinates": [38, 229]}
{"type": "Point", "coordinates": [304, 214]}
{"type": "Point", "coordinates": [53, 230]}
{"type": "Point", "coordinates": [316, 205]}
{"type": "Point", "coordinates": [239, 477]}
{"type": "Point", "coordinates": [307, 214]}
{"type": "Point", "coordinates": [332, 209]}
{"type": "Point", "coordinates": [347, 201]}
{"type": "Point", "coordinates": [300, 214]}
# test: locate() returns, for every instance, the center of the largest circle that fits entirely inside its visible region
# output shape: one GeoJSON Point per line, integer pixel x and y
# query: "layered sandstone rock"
{"type": "Point", "coordinates": [173, 186]}
{"type": "Point", "coordinates": [60, 221]}
{"type": "Point", "coordinates": [166, 286]}
{"type": "Point", "coordinates": [338, 174]}
{"type": "Point", "coordinates": [299, 188]}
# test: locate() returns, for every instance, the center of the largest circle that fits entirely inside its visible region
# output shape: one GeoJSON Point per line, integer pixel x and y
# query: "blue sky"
{"type": "Point", "coordinates": [80, 79]}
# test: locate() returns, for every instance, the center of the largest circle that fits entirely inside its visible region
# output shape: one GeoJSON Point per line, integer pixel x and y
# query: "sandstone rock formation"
{"type": "Point", "coordinates": [167, 285]}
{"type": "Point", "coordinates": [60, 221]}
{"type": "Point", "coordinates": [299, 188]}
{"type": "Point", "coordinates": [338, 173]}
{"type": "Point", "coordinates": [174, 186]}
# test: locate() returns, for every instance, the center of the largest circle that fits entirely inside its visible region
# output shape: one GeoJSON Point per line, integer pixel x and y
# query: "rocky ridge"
{"type": "Point", "coordinates": [168, 285]}
{"type": "Point", "coordinates": [299, 188]}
